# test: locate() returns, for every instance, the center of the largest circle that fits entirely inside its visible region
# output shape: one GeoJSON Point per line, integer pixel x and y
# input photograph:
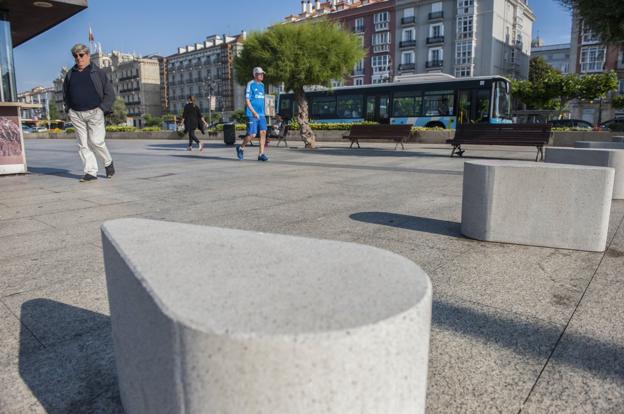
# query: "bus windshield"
{"type": "Point", "coordinates": [502, 100]}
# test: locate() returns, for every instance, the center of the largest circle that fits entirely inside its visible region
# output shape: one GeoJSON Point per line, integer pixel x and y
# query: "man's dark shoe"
{"type": "Point", "coordinates": [87, 178]}
{"type": "Point", "coordinates": [110, 170]}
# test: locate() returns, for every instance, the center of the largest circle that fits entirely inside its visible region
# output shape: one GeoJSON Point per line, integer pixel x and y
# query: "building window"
{"type": "Point", "coordinates": [359, 25]}
{"type": "Point", "coordinates": [463, 72]}
{"type": "Point", "coordinates": [359, 81]}
{"type": "Point", "coordinates": [464, 3]}
{"type": "Point", "coordinates": [465, 27]}
{"type": "Point", "coordinates": [382, 21]}
{"type": "Point", "coordinates": [463, 53]}
{"type": "Point", "coordinates": [407, 58]}
{"type": "Point", "coordinates": [621, 88]}
{"type": "Point", "coordinates": [588, 35]}
{"type": "Point", "coordinates": [381, 38]}
{"type": "Point", "coordinates": [408, 34]}
{"type": "Point", "coordinates": [436, 7]}
{"type": "Point", "coordinates": [380, 63]}
{"type": "Point", "coordinates": [409, 12]}
{"type": "Point", "coordinates": [592, 59]}
{"type": "Point", "coordinates": [436, 30]}
{"type": "Point", "coordinates": [436, 54]}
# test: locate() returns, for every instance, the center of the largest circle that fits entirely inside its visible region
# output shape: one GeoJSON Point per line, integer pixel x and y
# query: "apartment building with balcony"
{"type": "Point", "coordinates": [40, 96]}
{"type": "Point", "coordinates": [588, 54]}
{"type": "Point", "coordinates": [556, 55]}
{"type": "Point", "coordinates": [206, 71]}
{"type": "Point", "coordinates": [373, 22]}
{"type": "Point", "coordinates": [463, 38]}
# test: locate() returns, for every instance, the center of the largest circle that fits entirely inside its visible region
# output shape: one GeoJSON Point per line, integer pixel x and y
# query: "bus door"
{"type": "Point", "coordinates": [378, 109]}
{"type": "Point", "coordinates": [466, 112]}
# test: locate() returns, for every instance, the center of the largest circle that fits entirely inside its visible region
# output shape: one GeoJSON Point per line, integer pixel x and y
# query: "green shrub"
{"type": "Point", "coordinates": [120, 128]}
{"type": "Point", "coordinates": [70, 130]}
{"type": "Point", "coordinates": [151, 129]}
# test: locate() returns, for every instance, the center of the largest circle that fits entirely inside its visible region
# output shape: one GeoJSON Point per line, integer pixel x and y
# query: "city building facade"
{"type": "Point", "coordinates": [588, 54]}
{"type": "Point", "coordinates": [462, 38]}
{"type": "Point", "coordinates": [557, 56]}
{"type": "Point", "coordinates": [206, 71]}
{"type": "Point", "coordinates": [40, 96]}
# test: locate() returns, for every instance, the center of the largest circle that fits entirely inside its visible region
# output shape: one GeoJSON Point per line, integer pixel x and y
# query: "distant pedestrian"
{"type": "Point", "coordinates": [192, 119]}
{"type": "Point", "coordinates": [88, 94]}
{"type": "Point", "coordinates": [256, 119]}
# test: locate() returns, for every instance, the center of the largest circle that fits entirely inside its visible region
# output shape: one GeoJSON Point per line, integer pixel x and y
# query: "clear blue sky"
{"type": "Point", "coordinates": [160, 26]}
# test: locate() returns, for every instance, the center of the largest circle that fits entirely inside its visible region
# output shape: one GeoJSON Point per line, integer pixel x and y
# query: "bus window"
{"type": "Point", "coordinates": [483, 106]}
{"type": "Point", "coordinates": [439, 103]}
{"type": "Point", "coordinates": [405, 104]}
{"type": "Point", "coordinates": [502, 103]}
{"type": "Point", "coordinates": [384, 114]}
{"type": "Point", "coordinates": [323, 107]}
{"type": "Point", "coordinates": [370, 108]}
{"type": "Point", "coordinates": [285, 108]}
{"type": "Point", "coordinates": [464, 101]}
{"type": "Point", "coordinates": [349, 106]}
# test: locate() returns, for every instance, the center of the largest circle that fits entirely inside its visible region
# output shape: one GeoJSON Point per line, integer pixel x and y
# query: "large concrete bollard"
{"type": "Point", "coordinates": [550, 205]}
{"type": "Point", "coordinates": [211, 320]}
{"type": "Point", "coordinates": [598, 157]}
{"type": "Point", "coordinates": [599, 144]}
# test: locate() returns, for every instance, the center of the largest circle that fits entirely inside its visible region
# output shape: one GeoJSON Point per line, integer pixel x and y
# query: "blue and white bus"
{"type": "Point", "coordinates": [421, 100]}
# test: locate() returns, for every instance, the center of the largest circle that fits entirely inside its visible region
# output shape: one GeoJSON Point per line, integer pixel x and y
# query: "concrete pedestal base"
{"type": "Point", "coordinates": [551, 205]}
{"type": "Point", "coordinates": [599, 144]}
{"type": "Point", "coordinates": [261, 323]}
{"type": "Point", "coordinates": [597, 157]}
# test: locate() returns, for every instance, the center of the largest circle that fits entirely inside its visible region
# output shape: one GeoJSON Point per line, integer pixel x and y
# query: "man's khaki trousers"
{"type": "Point", "coordinates": [91, 131]}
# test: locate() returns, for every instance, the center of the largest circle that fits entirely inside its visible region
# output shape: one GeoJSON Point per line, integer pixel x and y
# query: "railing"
{"type": "Point", "coordinates": [358, 72]}
{"type": "Point", "coordinates": [436, 15]}
{"type": "Point", "coordinates": [408, 20]}
{"type": "Point", "coordinates": [435, 39]}
{"type": "Point", "coordinates": [407, 66]}
{"type": "Point", "coordinates": [407, 43]}
{"type": "Point", "coordinates": [434, 64]}
{"type": "Point", "coordinates": [358, 29]}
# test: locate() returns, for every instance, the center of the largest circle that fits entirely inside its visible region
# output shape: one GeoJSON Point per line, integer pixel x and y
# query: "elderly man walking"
{"type": "Point", "coordinates": [88, 94]}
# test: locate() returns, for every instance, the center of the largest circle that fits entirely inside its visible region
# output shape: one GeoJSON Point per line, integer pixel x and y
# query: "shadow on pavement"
{"type": "Point", "coordinates": [77, 374]}
{"type": "Point", "coordinates": [408, 153]}
{"type": "Point", "coordinates": [183, 146]}
{"type": "Point", "coordinates": [54, 171]}
{"type": "Point", "coordinates": [423, 224]}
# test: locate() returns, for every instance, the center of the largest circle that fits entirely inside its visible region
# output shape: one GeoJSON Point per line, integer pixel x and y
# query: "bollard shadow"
{"type": "Point", "coordinates": [533, 339]}
{"type": "Point", "coordinates": [59, 172]}
{"type": "Point", "coordinates": [69, 368]}
{"type": "Point", "coordinates": [402, 221]}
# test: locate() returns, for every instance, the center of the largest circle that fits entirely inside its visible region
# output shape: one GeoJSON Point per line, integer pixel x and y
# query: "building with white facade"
{"type": "Point", "coordinates": [40, 96]}
{"type": "Point", "coordinates": [206, 71]}
{"type": "Point", "coordinates": [557, 56]}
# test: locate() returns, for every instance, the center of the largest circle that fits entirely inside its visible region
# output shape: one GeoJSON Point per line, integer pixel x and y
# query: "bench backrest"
{"type": "Point", "coordinates": [496, 133]}
{"type": "Point", "coordinates": [380, 131]}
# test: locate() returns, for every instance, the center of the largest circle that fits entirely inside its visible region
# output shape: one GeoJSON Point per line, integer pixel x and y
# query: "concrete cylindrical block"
{"type": "Point", "coordinates": [210, 320]}
{"type": "Point", "coordinates": [598, 157]}
{"type": "Point", "coordinates": [538, 204]}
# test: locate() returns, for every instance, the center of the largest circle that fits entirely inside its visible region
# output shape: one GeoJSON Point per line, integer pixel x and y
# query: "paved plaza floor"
{"type": "Point", "coordinates": [514, 328]}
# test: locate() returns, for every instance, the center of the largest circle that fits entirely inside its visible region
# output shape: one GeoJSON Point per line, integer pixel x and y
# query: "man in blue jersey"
{"type": "Point", "coordinates": [256, 119]}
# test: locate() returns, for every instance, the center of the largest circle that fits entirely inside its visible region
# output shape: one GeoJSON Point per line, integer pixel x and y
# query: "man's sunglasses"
{"type": "Point", "coordinates": [79, 54]}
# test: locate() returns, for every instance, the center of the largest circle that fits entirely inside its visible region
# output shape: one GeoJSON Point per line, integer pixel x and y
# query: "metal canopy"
{"type": "Point", "coordinates": [29, 19]}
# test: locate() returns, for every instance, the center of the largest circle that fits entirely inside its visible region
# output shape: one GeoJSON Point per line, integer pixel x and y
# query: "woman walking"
{"type": "Point", "coordinates": [192, 120]}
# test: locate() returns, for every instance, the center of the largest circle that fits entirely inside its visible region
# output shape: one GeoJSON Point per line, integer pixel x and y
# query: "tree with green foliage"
{"type": "Point", "coordinates": [549, 89]}
{"type": "Point", "coordinates": [119, 114]}
{"type": "Point", "coordinates": [238, 116]}
{"type": "Point", "coordinates": [152, 121]}
{"type": "Point", "coordinates": [618, 102]}
{"type": "Point", "coordinates": [300, 55]}
{"type": "Point", "coordinates": [53, 112]}
{"type": "Point", "coordinates": [605, 17]}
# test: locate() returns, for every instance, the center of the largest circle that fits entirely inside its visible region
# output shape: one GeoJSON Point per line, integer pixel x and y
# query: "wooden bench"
{"type": "Point", "coordinates": [501, 134]}
{"type": "Point", "coordinates": [397, 133]}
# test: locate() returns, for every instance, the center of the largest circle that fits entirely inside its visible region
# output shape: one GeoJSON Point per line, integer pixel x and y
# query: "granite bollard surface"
{"type": "Point", "coordinates": [600, 144]}
{"type": "Point", "coordinates": [263, 323]}
{"type": "Point", "coordinates": [598, 157]}
{"type": "Point", "coordinates": [549, 205]}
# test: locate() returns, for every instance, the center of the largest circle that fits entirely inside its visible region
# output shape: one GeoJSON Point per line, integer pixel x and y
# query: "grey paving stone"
{"type": "Point", "coordinates": [21, 226]}
{"type": "Point", "coordinates": [483, 359]}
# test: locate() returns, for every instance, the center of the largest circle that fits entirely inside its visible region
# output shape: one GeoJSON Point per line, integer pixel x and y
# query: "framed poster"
{"type": "Point", "coordinates": [269, 105]}
{"type": "Point", "coordinates": [12, 152]}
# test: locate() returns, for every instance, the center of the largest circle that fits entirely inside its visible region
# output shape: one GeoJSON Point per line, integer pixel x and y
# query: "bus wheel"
{"type": "Point", "coordinates": [435, 124]}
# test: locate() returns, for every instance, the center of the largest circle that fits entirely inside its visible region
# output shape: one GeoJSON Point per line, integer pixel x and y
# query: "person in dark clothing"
{"type": "Point", "coordinates": [88, 95]}
{"type": "Point", "coordinates": [193, 119]}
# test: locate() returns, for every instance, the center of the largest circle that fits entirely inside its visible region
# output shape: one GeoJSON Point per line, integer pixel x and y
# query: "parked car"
{"type": "Point", "coordinates": [41, 129]}
{"type": "Point", "coordinates": [615, 124]}
{"type": "Point", "coordinates": [27, 129]}
{"type": "Point", "coordinates": [571, 123]}
{"type": "Point", "coordinates": [68, 125]}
